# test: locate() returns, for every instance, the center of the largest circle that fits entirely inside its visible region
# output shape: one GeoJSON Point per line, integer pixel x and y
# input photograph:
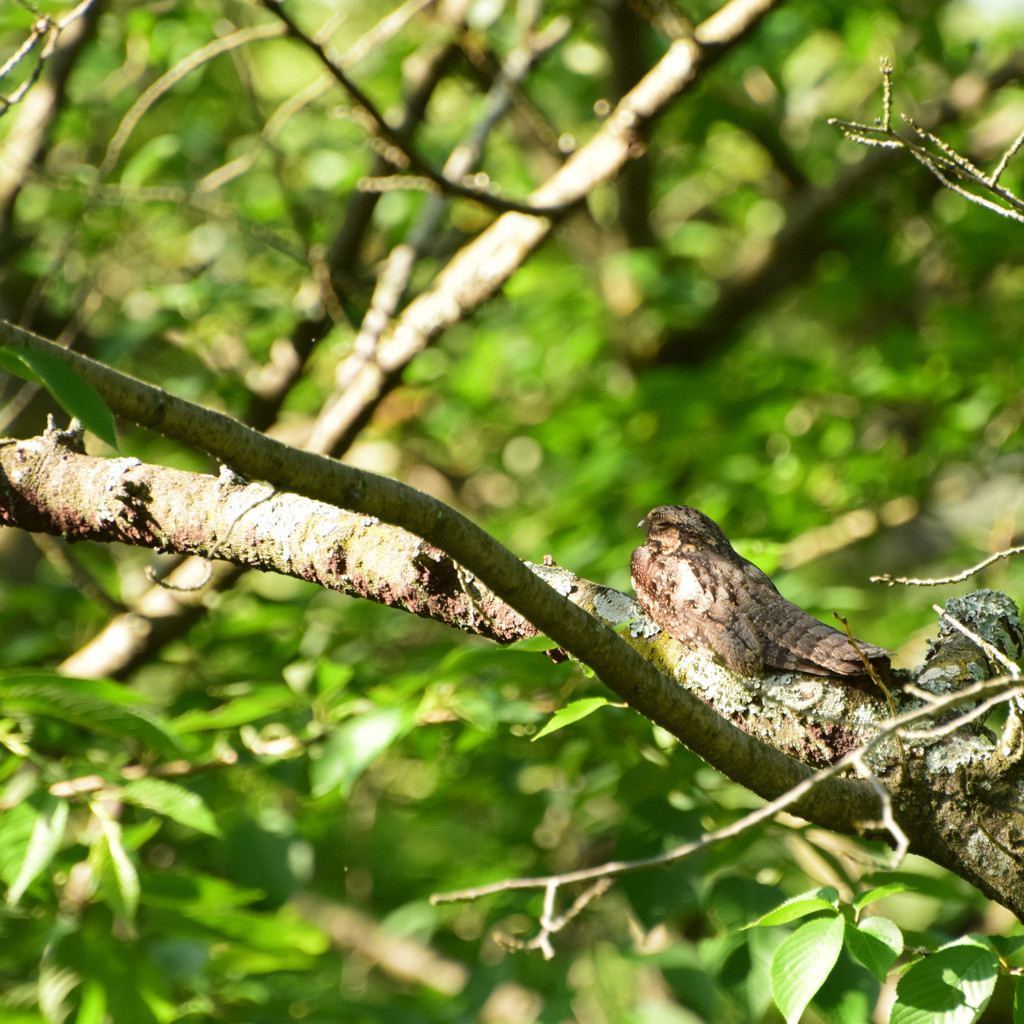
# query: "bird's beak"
{"type": "Point", "coordinates": [642, 523]}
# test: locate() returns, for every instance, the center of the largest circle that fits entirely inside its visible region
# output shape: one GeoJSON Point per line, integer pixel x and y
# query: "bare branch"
{"type": "Point", "coordinates": [341, 414]}
{"type": "Point", "coordinates": [1007, 157]}
{"type": "Point", "coordinates": [415, 161]}
{"type": "Point", "coordinates": [388, 26]}
{"type": "Point", "coordinates": [168, 80]}
{"type": "Point", "coordinates": [45, 28]}
{"type": "Point", "coordinates": [900, 838]}
{"type": "Point", "coordinates": [980, 710]}
{"type": "Point", "coordinates": [855, 759]}
{"type": "Point", "coordinates": [958, 578]}
{"type": "Point", "coordinates": [886, 94]}
{"type": "Point", "coordinates": [943, 162]}
{"type": "Point", "coordinates": [552, 923]}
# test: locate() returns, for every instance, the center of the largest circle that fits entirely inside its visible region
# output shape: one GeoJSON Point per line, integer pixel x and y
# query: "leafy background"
{"type": "Point", "coordinates": [860, 414]}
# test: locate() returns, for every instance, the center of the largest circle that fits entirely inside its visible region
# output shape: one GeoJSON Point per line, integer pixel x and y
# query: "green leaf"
{"type": "Point", "coordinates": [115, 864]}
{"type": "Point", "coordinates": [285, 930]}
{"type": "Point", "coordinates": [951, 986]}
{"type": "Point", "coordinates": [1006, 945]}
{"type": "Point", "coordinates": [875, 942]}
{"type": "Point", "coordinates": [16, 826]}
{"type": "Point", "coordinates": [93, 1005]}
{"type": "Point", "coordinates": [90, 953]}
{"type": "Point", "coordinates": [531, 644]}
{"type": "Point", "coordinates": [880, 893]}
{"type": "Point", "coordinates": [826, 898]}
{"type": "Point", "coordinates": [803, 962]}
{"type": "Point", "coordinates": [172, 801]}
{"type": "Point", "coordinates": [574, 712]}
{"type": "Point", "coordinates": [351, 748]}
{"type": "Point", "coordinates": [91, 704]}
{"type": "Point", "coordinates": [42, 846]}
{"type": "Point", "coordinates": [1018, 1002]}
{"type": "Point", "coordinates": [71, 392]}
{"type": "Point", "coordinates": [240, 711]}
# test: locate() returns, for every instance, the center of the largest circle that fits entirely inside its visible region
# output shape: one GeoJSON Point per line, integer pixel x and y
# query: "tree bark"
{"type": "Point", "coordinates": [958, 796]}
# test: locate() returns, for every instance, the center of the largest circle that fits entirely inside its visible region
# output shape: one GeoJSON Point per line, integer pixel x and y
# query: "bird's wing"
{"type": "Point", "coordinates": [795, 640]}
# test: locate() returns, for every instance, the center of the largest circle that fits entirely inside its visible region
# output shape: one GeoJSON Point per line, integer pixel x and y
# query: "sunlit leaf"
{"type": "Point", "coordinates": [351, 747]}
{"type": "Point", "coordinates": [889, 889]}
{"type": "Point", "coordinates": [826, 898]}
{"type": "Point", "coordinates": [93, 1006]}
{"type": "Point", "coordinates": [172, 801]}
{"type": "Point", "coordinates": [950, 986]}
{"type": "Point", "coordinates": [68, 389]}
{"type": "Point", "coordinates": [239, 711]}
{"type": "Point", "coordinates": [574, 712]}
{"type": "Point", "coordinates": [116, 864]}
{"type": "Point", "coordinates": [531, 644]}
{"type": "Point", "coordinates": [43, 843]}
{"type": "Point", "coordinates": [90, 704]}
{"type": "Point", "coordinates": [802, 963]}
{"type": "Point", "coordinates": [876, 942]}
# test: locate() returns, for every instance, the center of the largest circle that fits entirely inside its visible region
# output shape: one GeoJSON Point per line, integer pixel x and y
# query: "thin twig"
{"type": "Point", "coordinates": [892, 728]}
{"type": "Point", "coordinates": [46, 27]}
{"type": "Point", "coordinates": [170, 78]}
{"type": "Point", "coordinates": [941, 164]}
{"type": "Point", "coordinates": [1007, 156]}
{"type": "Point", "coordinates": [874, 678]}
{"type": "Point", "coordinates": [886, 94]}
{"type": "Point", "coordinates": [416, 162]}
{"type": "Point", "coordinates": [888, 819]}
{"type": "Point", "coordinates": [994, 654]}
{"type": "Point", "coordinates": [980, 710]}
{"type": "Point", "coordinates": [958, 578]}
{"type": "Point", "coordinates": [390, 24]}
{"type": "Point", "coordinates": [552, 923]}
{"type": "Point", "coordinates": [950, 158]}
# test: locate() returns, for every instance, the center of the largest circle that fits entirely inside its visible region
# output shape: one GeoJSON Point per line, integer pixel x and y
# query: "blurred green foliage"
{"type": "Point", "coordinates": [859, 413]}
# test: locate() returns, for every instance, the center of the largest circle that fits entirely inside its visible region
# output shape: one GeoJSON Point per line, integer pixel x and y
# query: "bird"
{"type": "Point", "coordinates": [692, 584]}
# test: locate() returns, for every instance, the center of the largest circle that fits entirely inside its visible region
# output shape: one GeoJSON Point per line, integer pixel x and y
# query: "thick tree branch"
{"type": "Point", "coordinates": [483, 265]}
{"type": "Point", "coordinates": [635, 679]}
{"type": "Point", "coordinates": [55, 489]}
{"type": "Point", "coordinates": [957, 795]}
{"type": "Point", "coordinates": [160, 614]}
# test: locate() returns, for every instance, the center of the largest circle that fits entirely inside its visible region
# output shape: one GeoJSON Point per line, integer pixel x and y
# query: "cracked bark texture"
{"type": "Point", "coordinates": [959, 797]}
{"type": "Point", "coordinates": [50, 487]}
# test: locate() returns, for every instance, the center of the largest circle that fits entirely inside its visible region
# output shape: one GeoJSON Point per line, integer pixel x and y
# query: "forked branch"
{"type": "Point", "coordinates": [951, 169]}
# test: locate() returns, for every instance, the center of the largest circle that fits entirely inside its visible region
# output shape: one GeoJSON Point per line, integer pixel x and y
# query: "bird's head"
{"type": "Point", "coordinates": [685, 527]}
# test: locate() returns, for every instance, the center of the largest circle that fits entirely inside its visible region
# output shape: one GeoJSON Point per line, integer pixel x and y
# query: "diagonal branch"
{"type": "Point", "coordinates": [942, 811]}
{"type": "Point", "coordinates": [958, 578]}
{"type": "Point", "coordinates": [622, 669]}
{"type": "Point", "coordinates": [416, 162]}
{"type": "Point", "coordinates": [333, 431]}
{"type": "Point", "coordinates": [946, 165]}
{"type": "Point", "coordinates": [483, 265]}
{"type": "Point", "coordinates": [601, 875]}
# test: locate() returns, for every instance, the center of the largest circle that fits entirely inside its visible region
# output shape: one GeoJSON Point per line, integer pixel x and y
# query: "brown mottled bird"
{"type": "Point", "coordinates": [691, 583]}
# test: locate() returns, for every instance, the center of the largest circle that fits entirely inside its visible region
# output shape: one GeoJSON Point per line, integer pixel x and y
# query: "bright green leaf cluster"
{"type": "Point", "coordinates": [950, 985]}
